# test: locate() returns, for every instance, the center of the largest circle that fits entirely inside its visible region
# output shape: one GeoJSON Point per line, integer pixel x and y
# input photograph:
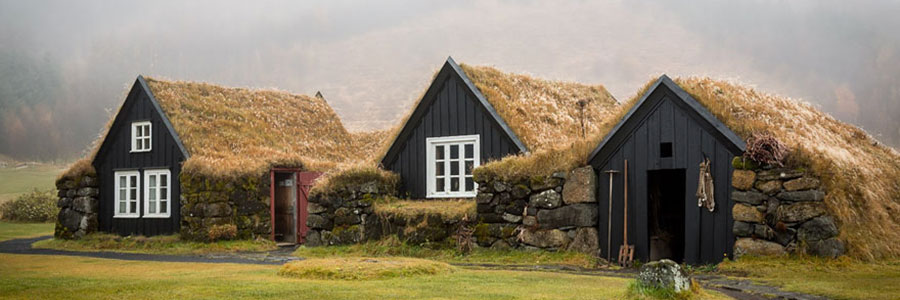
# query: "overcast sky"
{"type": "Point", "coordinates": [65, 64]}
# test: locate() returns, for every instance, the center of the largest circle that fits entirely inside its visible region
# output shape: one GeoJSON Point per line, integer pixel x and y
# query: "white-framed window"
{"type": "Point", "coordinates": [140, 136]}
{"type": "Point", "coordinates": [127, 194]}
{"type": "Point", "coordinates": [157, 193]}
{"type": "Point", "coordinates": [449, 164]}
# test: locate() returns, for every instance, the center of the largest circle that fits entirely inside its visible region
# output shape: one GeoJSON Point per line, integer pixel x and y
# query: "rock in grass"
{"type": "Point", "coordinates": [664, 274]}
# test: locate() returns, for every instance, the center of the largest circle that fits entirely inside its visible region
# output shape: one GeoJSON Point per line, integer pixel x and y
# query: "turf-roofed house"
{"type": "Point", "coordinates": [204, 161]}
{"type": "Point", "coordinates": [470, 115]}
{"type": "Point", "coordinates": [803, 182]}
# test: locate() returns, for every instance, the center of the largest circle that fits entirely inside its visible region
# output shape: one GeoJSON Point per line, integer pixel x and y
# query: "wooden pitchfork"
{"type": "Point", "coordinates": [626, 251]}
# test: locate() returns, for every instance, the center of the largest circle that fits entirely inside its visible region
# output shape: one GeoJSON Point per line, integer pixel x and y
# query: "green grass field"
{"type": "Point", "coordinates": [843, 278]}
{"type": "Point", "coordinates": [15, 181]}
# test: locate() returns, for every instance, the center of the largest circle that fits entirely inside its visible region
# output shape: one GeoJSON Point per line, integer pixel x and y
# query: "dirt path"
{"type": "Point", "coordinates": [735, 288]}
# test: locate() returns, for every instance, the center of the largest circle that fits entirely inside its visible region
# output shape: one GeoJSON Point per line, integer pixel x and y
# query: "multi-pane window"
{"type": "Point", "coordinates": [157, 193]}
{"type": "Point", "coordinates": [127, 194]}
{"type": "Point", "coordinates": [140, 136]}
{"type": "Point", "coordinates": [450, 161]}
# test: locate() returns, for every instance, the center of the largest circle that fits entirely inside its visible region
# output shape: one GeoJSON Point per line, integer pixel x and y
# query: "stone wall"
{"type": "Point", "coordinates": [345, 216]}
{"type": "Point", "coordinates": [556, 212]}
{"type": "Point", "coordinates": [78, 203]}
{"type": "Point", "coordinates": [243, 202]}
{"type": "Point", "coordinates": [779, 211]}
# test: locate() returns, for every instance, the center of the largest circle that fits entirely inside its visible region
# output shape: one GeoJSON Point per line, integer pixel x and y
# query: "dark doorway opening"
{"type": "Point", "coordinates": [666, 190]}
{"type": "Point", "coordinates": [285, 207]}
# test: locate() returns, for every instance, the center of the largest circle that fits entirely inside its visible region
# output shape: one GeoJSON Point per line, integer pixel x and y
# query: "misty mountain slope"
{"type": "Point", "coordinates": [860, 174]}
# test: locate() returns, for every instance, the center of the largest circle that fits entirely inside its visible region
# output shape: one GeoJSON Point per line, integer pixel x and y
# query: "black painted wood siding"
{"type": "Point", "coordinates": [116, 155]}
{"type": "Point", "coordinates": [455, 111]}
{"type": "Point", "coordinates": [708, 235]}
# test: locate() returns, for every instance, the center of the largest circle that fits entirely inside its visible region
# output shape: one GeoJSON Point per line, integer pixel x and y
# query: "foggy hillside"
{"type": "Point", "coordinates": [64, 66]}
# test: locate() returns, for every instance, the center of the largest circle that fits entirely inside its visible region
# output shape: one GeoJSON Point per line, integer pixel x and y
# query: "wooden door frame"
{"type": "Point", "coordinates": [272, 197]}
{"type": "Point", "coordinates": [305, 181]}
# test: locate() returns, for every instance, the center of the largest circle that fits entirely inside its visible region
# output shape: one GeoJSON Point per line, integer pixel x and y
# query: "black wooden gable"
{"type": "Point", "coordinates": [139, 88]}
{"type": "Point", "coordinates": [448, 71]}
{"type": "Point", "coordinates": [658, 92]}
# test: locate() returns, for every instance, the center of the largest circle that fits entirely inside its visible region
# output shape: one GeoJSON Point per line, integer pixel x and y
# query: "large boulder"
{"type": "Point", "coordinates": [744, 213]}
{"type": "Point", "coordinates": [743, 179]}
{"type": "Point", "coordinates": [548, 199]}
{"type": "Point", "coordinates": [553, 238]}
{"type": "Point", "coordinates": [577, 215]}
{"type": "Point", "coordinates": [802, 183]}
{"type": "Point", "coordinates": [799, 212]}
{"type": "Point", "coordinates": [749, 198]}
{"type": "Point", "coordinates": [586, 240]}
{"type": "Point", "coordinates": [85, 204]}
{"type": "Point", "coordinates": [758, 247]}
{"type": "Point", "coordinates": [742, 228]}
{"type": "Point", "coordinates": [664, 274]}
{"type": "Point", "coordinates": [799, 196]}
{"type": "Point", "coordinates": [831, 247]}
{"type": "Point", "coordinates": [816, 229]}
{"type": "Point", "coordinates": [581, 186]}
{"type": "Point", "coordinates": [70, 219]}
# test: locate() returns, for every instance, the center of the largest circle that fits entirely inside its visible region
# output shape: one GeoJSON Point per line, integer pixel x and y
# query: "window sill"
{"type": "Point", "coordinates": [444, 196]}
{"type": "Point", "coordinates": [126, 216]}
{"type": "Point", "coordinates": [156, 216]}
{"type": "Point", "coordinates": [140, 151]}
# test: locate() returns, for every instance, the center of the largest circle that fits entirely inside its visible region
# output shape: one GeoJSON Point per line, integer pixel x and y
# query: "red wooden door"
{"type": "Point", "coordinates": [305, 182]}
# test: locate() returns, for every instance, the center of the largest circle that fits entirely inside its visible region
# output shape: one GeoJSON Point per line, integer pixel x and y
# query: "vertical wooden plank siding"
{"type": "Point", "coordinates": [661, 119]}
{"type": "Point", "coordinates": [454, 111]}
{"type": "Point", "coordinates": [117, 156]}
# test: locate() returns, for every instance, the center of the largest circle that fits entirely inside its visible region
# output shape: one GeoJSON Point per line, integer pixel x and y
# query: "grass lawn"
{"type": "Point", "coordinates": [43, 277]}
{"type": "Point", "coordinates": [391, 247]}
{"type": "Point", "coordinates": [15, 181]}
{"type": "Point", "coordinates": [168, 244]}
{"type": "Point", "coordinates": [10, 230]}
{"type": "Point", "coordinates": [842, 278]}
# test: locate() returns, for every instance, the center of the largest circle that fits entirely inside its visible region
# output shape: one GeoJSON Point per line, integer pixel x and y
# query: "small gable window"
{"type": "Point", "coordinates": [449, 164]}
{"type": "Point", "coordinates": [665, 150]}
{"type": "Point", "coordinates": [140, 136]}
{"type": "Point", "coordinates": [126, 193]}
{"type": "Point", "coordinates": [157, 193]}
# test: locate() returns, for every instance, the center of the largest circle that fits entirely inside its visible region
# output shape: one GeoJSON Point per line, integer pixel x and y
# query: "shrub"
{"type": "Point", "coordinates": [36, 206]}
{"type": "Point", "coordinates": [222, 232]}
{"type": "Point", "coordinates": [765, 149]}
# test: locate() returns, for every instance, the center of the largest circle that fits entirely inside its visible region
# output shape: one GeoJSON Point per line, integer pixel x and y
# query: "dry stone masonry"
{"type": "Point", "coordinates": [78, 204]}
{"type": "Point", "coordinates": [556, 212]}
{"type": "Point", "coordinates": [780, 211]}
{"type": "Point", "coordinates": [207, 202]}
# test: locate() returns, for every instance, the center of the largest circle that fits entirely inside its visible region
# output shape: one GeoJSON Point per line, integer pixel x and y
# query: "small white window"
{"type": "Point", "coordinates": [127, 194]}
{"type": "Point", "coordinates": [449, 164]}
{"type": "Point", "coordinates": [140, 136]}
{"type": "Point", "coordinates": [157, 193]}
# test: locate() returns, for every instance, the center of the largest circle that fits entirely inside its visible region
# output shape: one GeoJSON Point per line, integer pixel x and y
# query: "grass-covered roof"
{"type": "Point", "coordinates": [239, 131]}
{"type": "Point", "coordinates": [542, 113]}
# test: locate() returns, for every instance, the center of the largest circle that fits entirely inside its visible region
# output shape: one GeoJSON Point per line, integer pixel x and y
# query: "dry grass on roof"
{"type": "Point", "coordinates": [562, 158]}
{"type": "Point", "coordinates": [369, 144]}
{"type": "Point", "coordinates": [543, 113]}
{"type": "Point", "coordinates": [235, 131]}
{"type": "Point", "coordinates": [860, 174]}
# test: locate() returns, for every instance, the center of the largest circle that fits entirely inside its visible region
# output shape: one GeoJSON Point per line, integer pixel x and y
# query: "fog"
{"type": "Point", "coordinates": [65, 66]}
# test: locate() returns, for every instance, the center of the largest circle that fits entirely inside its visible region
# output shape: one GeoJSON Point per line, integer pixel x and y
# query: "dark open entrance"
{"type": "Point", "coordinates": [666, 205]}
{"type": "Point", "coordinates": [285, 207]}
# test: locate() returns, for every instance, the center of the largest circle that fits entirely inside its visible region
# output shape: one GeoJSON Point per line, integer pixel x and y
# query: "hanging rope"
{"type": "Point", "coordinates": [705, 188]}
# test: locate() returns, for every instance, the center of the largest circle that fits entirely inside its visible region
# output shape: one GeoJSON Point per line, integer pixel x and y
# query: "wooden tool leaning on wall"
{"type": "Point", "coordinates": [626, 251]}
{"type": "Point", "coordinates": [609, 218]}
